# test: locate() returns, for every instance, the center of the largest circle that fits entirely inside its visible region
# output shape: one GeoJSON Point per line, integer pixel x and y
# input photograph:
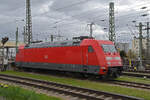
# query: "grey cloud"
{"type": "Point", "coordinates": [74, 19]}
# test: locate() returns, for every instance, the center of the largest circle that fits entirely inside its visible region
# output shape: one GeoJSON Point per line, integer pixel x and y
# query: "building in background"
{"type": "Point", "coordinates": [10, 45]}
{"type": "Point", "coordinates": [123, 47]}
{"type": "Point", "coordinates": [135, 45]}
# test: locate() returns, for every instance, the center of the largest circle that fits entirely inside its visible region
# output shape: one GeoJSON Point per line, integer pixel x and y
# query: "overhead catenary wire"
{"type": "Point", "coordinates": [71, 5]}
{"type": "Point", "coordinates": [67, 6]}
{"type": "Point", "coordinates": [127, 16]}
{"type": "Point", "coordinates": [72, 22]}
{"type": "Point", "coordinates": [81, 3]}
{"type": "Point", "coordinates": [82, 16]}
{"type": "Point", "coordinates": [64, 19]}
{"type": "Point", "coordinates": [67, 23]}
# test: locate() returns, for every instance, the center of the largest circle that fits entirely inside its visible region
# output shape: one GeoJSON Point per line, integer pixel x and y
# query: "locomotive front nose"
{"type": "Point", "coordinates": [114, 66]}
{"type": "Point", "coordinates": [114, 72]}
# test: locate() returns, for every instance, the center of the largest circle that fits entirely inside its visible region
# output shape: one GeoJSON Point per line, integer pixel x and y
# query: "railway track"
{"type": "Point", "coordinates": [80, 93]}
{"type": "Point", "coordinates": [115, 82]}
{"type": "Point", "coordinates": [136, 74]}
{"type": "Point", "coordinates": [131, 84]}
{"type": "Point", "coordinates": [147, 68]}
{"type": "Point", "coordinates": [146, 71]}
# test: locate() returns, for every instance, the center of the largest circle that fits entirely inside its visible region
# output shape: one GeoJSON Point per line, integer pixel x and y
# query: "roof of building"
{"type": "Point", "coordinates": [11, 44]}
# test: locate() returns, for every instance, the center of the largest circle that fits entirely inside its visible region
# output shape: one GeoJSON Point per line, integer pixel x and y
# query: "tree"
{"type": "Point", "coordinates": [131, 54]}
{"type": "Point", "coordinates": [123, 54]}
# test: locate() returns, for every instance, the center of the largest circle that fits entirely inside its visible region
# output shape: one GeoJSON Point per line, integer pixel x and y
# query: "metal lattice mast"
{"type": "Point", "coordinates": [24, 35]}
{"type": "Point", "coordinates": [140, 46]}
{"type": "Point", "coordinates": [148, 40]}
{"type": "Point", "coordinates": [112, 36]}
{"type": "Point", "coordinates": [28, 23]}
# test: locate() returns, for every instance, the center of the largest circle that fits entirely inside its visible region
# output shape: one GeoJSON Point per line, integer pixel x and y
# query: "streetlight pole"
{"type": "Point", "coordinates": [17, 32]}
{"type": "Point", "coordinates": [91, 29]}
{"type": "Point", "coordinates": [17, 39]}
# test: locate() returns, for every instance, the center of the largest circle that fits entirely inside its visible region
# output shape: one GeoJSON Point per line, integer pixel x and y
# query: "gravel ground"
{"type": "Point", "coordinates": [2, 98]}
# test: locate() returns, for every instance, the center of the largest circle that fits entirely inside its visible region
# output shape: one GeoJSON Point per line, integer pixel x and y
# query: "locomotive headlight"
{"type": "Point", "coordinates": [120, 63]}
{"type": "Point", "coordinates": [103, 67]}
{"type": "Point", "coordinates": [109, 63]}
{"type": "Point", "coordinates": [108, 58]}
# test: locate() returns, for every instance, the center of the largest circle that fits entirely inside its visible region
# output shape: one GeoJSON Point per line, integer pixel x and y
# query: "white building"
{"type": "Point", "coordinates": [135, 45]}
{"type": "Point", "coordinates": [123, 46]}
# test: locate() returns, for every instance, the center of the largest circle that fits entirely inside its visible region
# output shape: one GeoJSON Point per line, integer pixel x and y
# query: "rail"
{"type": "Point", "coordinates": [79, 92]}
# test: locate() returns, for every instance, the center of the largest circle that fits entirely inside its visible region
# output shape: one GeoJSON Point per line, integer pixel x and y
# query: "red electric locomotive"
{"type": "Point", "coordinates": [86, 56]}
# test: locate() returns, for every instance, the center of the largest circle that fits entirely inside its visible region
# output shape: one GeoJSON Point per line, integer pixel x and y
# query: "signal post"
{"type": "Point", "coordinates": [3, 41]}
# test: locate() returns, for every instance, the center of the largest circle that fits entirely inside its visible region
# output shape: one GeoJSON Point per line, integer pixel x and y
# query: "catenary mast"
{"type": "Point", "coordinates": [28, 34]}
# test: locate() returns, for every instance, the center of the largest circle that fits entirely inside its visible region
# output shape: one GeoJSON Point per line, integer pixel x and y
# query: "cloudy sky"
{"type": "Point", "coordinates": [70, 18]}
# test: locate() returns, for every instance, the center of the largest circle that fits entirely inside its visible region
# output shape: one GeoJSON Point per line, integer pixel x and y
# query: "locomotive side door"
{"type": "Point", "coordinates": [85, 59]}
{"type": "Point", "coordinates": [89, 59]}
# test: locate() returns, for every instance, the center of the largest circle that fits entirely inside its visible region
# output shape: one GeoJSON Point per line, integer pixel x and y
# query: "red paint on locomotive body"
{"type": "Point", "coordinates": [89, 53]}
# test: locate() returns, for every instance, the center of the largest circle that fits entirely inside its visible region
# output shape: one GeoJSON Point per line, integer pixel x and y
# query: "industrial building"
{"type": "Point", "coordinates": [135, 45]}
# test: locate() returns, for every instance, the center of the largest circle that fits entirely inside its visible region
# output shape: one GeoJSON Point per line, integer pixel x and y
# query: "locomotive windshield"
{"type": "Point", "coordinates": [108, 48]}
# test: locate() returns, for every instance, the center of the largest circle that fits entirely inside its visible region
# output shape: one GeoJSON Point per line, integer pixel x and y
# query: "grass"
{"type": "Point", "coordinates": [17, 93]}
{"type": "Point", "coordinates": [88, 84]}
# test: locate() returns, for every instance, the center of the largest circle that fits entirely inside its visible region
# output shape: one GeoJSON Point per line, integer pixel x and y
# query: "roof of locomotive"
{"type": "Point", "coordinates": [77, 41]}
{"type": "Point", "coordinates": [54, 44]}
{"type": "Point", "coordinates": [93, 41]}
{"type": "Point", "coordinates": [105, 42]}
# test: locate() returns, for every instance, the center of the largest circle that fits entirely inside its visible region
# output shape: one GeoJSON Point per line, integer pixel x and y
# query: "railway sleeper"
{"type": "Point", "coordinates": [58, 90]}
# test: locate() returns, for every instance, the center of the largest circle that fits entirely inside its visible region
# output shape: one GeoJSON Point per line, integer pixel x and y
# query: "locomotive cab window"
{"type": "Point", "coordinates": [109, 48]}
{"type": "Point", "coordinates": [90, 49]}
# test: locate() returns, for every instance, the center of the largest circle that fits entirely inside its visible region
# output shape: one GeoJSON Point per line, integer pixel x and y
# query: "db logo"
{"type": "Point", "coordinates": [46, 56]}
